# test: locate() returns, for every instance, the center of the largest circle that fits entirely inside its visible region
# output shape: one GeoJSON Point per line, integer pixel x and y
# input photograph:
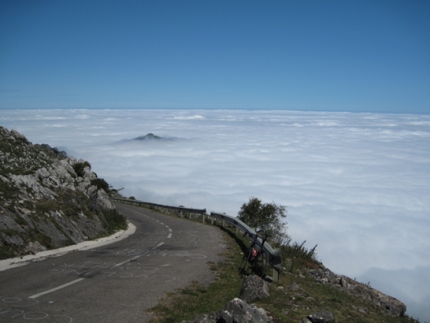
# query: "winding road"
{"type": "Point", "coordinates": [113, 283]}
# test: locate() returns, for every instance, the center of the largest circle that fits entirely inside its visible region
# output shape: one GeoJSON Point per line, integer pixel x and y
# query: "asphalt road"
{"type": "Point", "coordinates": [117, 282]}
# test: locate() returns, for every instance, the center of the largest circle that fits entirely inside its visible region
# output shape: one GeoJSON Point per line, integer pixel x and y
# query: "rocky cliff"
{"type": "Point", "coordinates": [49, 200]}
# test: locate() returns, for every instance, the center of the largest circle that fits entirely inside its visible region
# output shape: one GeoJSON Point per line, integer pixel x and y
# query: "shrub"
{"type": "Point", "coordinates": [114, 220]}
{"type": "Point", "coordinates": [80, 168]}
{"type": "Point", "coordinates": [299, 253]}
{"type": "Point", "coordinates": [101, 184]}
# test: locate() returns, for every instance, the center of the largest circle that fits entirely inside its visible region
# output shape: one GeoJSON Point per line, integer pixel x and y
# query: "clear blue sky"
{"type": "Point", "coordinates": [298, 55]}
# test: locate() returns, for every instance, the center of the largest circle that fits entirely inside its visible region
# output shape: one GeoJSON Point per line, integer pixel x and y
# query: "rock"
{"type": "Point", "coordinates": [321, 317]}
{"type": "Point", "coordinates": [343, 282]}
{"type": "Point", "coordinates": [40, 197]}
{"type": "Point", "coordinates": [11, 240]}
{"type": "Point", "coordinates": [254, 287]}
{"type": "Point", "coordinates": [237, 311]}
{"type": "Point", "coordinates": [294, 286]}
{"type": "Point", "coordinates": [305, 320]}
{"type": "Point", "coordinates": [35, 247]}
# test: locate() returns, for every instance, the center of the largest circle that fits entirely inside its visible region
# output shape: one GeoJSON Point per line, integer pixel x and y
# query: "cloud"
{"type": "Point", "coordinates": [82, 116]}
{"type": "Point", "coordinates": [194, 117]}
{"type": "Point", "coordinates": [355, 184]}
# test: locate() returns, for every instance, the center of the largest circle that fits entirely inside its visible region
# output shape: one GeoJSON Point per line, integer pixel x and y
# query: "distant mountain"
{"type": "Point", "coordinates": [149, 136]}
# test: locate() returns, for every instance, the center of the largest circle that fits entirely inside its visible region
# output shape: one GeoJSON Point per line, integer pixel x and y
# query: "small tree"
{"type": "Point", "coordinates": [267, 217]}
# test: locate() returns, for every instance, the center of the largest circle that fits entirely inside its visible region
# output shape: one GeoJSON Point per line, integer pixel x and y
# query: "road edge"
{"type": "Point", "coordinates": [85, 245]}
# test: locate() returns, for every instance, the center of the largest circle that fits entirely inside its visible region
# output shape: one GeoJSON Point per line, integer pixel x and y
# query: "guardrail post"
{"type": "Point", "coordinates": [275, 276]}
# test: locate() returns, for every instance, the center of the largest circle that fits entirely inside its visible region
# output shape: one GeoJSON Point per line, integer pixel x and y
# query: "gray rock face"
{"type": "Point", "coordinates": [254, 287]}
{"type": "Point", "coordinates": [44, 202]}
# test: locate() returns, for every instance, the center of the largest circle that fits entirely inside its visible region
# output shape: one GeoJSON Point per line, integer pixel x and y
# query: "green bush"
{"type": "Point", "coordinates": [101, 184]}
{"type": "Point", "coordinates": [80, 168]}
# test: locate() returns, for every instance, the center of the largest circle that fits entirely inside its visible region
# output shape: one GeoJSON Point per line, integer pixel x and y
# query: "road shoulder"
{"type": "Point", "coordinates": [85, 245]}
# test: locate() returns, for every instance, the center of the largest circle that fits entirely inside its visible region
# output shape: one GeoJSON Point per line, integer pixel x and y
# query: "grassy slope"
{"type": "Point", "coordinates": [284, 304]}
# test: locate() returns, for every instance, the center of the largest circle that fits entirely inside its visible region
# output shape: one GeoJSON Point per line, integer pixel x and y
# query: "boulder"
{"type": "Point", "coordinates": [294, 286]}
{"type": "Point", "coordinates": [254, 287]}
{"type": "Point", "coordinates": [321, 317]}
{"type": "Point", "coordinates": [237, 311]}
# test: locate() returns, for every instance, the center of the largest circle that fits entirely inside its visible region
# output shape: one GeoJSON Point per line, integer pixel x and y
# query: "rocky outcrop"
{"type": "Point", "coordinates": [391, 305]}
{"type": "Point", "coordinates": [238, 311]}
{"type": "Point", "coordinates": [47, 200]}
{"type": "Point", "coordinates": [235, 311]}
{"type": "Point", "coordinates": [254, 287]}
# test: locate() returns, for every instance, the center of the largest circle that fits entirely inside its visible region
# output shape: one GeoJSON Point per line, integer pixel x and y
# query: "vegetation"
{"type": "Point", "coordinates": [101, 184]}
{"type": "Point", "coordinates": [52, 151]}
{"type": "Point", "coordinates": [80, 168]}
{"type": "Point", "coordinates": [267, 217]}
{"type": "Point", "coordinates": [114, 220]}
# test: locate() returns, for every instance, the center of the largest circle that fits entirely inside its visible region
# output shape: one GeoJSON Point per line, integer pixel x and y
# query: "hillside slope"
{"type": "Point", "coordinates": [49, 200]}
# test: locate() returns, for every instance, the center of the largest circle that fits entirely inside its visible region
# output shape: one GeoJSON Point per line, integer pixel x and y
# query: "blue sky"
{"type": "Point", "coordinates": [357, 56]}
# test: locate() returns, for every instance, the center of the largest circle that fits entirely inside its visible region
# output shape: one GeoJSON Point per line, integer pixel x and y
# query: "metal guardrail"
{"type": "Point", "coordinates": [174, 208]}
{"type": "Point", "coordinates": [273, 255]}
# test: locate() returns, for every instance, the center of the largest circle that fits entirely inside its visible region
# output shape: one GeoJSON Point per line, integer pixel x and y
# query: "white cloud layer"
{"type": "Point", "coordinates": [358, 185]}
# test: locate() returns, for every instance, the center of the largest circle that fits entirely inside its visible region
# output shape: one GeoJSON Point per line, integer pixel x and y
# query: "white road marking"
{"type": "Point", "coordinates": [170, 230]}
{"type": "Point", "coordinates": [56, 288]}
{"type": "Point", "coordinates": [159, 245]}
{"type": "Point", "coordinates": [124, 262]}
{"type": "Point", "coordinates": [169, 236]}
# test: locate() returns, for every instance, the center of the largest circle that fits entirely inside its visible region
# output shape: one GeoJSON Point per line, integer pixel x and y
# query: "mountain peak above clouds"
{"type": "Point", "coordinates": [149, 136]}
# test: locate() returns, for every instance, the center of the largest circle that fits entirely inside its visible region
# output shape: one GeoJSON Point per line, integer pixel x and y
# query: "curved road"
{"type": "Point", "coordinates": [114, 283]}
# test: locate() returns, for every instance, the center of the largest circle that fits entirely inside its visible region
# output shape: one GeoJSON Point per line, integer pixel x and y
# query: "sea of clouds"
{"type": "Point", "coordinates": [356, 184]}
